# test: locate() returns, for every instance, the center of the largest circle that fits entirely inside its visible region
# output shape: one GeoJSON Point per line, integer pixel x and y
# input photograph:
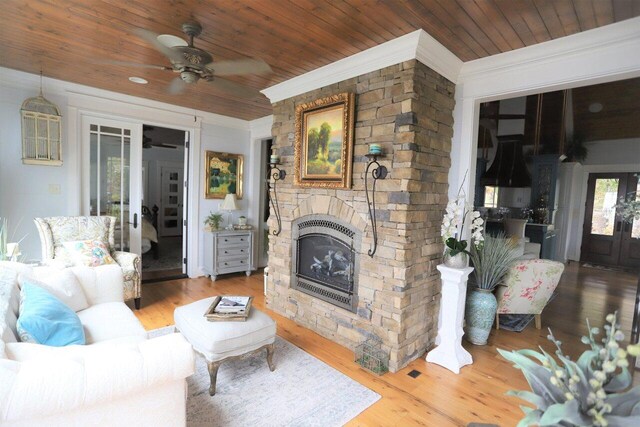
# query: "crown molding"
{"type": "Point", "coordinates": [82, 94]}
{"type": "Point", "coordinates": [415, 45]}
{"type": "Point", "coordinates": [261, 128]}
{"type": "Point", "coordinates": [437, 57]}
{"type": "Point", "coordinates": [559, 61]}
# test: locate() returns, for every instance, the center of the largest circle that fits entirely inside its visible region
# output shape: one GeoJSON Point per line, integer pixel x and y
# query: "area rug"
{"type": "Point", "coordinates": [518, 322]}
{"type": "Point", "coordinates": [302, 391]}
{"type": "Point", "coordinates": [600, 267]}
{"type": "Point", "coordinates": [170, 256]}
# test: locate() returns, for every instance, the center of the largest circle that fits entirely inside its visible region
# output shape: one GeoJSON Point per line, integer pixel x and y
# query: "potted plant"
{"type": "Point", "coordinates": [491, 259]}
{"type": "Point", "coordinates": [8, 251]}
{"type": "Point", "coordinates": [242, 220]}
{"type": "Point", "coordinates": [213, 221]}
{"type": "Point", "coordinates": [455, 252]}
{"type": "Point", "coordinates": [591, 391]}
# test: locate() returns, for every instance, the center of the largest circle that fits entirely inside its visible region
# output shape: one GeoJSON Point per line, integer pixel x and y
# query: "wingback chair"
{"type": "Point", "coordinates": [54, 231]}
{"type": "Point", "coordinates": [527, 288]}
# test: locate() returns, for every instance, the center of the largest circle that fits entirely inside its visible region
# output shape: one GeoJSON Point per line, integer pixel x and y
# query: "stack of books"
{"type": "Point", "coordinates": [229, 308]}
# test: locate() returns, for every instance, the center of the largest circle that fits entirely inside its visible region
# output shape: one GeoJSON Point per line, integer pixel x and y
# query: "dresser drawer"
{"type": "Point", "coordinates": [227, 252]}
{"type": "Point", "coordinates": [226, 241]}
{"type": "Point", "coordinates": [233, 263]}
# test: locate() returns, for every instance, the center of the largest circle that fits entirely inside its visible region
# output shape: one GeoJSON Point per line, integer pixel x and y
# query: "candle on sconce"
{"type": "Point", "coordinates": [375, 149]}
{"type": "Point", "coordinates": [274, 159]}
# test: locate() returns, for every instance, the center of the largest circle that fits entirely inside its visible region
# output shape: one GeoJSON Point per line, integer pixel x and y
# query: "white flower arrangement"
{"type": "Point", "coordinates": [477, 229]}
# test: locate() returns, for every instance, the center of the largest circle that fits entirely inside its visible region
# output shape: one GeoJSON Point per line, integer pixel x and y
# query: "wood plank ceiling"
{"type": "Point", "coordinates": [67, 39]}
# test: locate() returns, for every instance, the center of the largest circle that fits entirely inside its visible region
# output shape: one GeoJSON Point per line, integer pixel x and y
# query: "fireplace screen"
{"type": "Point", "coordinates": [325, 260]}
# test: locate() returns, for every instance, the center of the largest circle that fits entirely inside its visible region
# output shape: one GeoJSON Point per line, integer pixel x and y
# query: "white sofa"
{"type": "Point", "coordinates": [119, 378]}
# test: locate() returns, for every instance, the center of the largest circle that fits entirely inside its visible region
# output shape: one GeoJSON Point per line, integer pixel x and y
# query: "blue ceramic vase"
{"type": "Point", "coordinates": [480, 312]}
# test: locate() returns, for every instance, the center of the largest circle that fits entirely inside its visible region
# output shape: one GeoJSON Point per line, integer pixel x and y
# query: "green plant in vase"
{"type": "Point", "coordinates": [213, 220]}
{"type": "Point", "coordinates": [592, 391]}
{"type": "Point", "coordinates": [491, 259]}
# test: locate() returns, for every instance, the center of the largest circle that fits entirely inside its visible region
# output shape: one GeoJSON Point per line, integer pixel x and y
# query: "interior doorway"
{"type": "Point", "coordinates": [164, 230]}
{"type": "Point", "coordinates": [607, 239]}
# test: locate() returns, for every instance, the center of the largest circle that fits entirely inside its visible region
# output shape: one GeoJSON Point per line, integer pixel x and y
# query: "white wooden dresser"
{"type": "Point", "coordinates": [228, 251]}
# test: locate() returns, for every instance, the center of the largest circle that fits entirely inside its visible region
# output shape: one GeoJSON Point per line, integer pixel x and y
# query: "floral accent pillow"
{"type": "Point", "coordinates": [92, 253]}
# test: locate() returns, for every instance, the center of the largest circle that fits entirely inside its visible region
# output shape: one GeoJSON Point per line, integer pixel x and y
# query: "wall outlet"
{"type": "Point", "coordinates": [54, 189]}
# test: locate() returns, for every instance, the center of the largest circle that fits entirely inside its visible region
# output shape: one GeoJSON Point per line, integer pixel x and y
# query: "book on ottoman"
{"type": "Point", "coordinates": [229, 308]}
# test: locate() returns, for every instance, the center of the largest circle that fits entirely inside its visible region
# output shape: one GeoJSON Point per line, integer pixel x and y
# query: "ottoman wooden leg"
{"type": "Point", "coordinates": [213, 375]}
{"type": "Point", "coordinates": [270, 349]}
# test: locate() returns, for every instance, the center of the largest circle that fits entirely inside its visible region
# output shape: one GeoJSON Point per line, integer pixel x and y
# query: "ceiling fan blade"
{"type": "Point", "coordinates": [134, 64]}
{"type": "Point", "coordinates": [234, 88]}
{"type": "Point", "coordinates": [152, 38]}
{"type": "Point", "coordinates": [176, 87]}
{"type": "Point", "coordinates": [239, 67]}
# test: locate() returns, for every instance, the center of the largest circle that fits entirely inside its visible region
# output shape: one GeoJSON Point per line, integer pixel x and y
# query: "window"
{"type": "Point", "coordinates": [490, 197]}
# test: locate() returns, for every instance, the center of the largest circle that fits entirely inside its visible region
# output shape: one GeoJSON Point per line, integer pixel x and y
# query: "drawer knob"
{"type": "Point", "coordinates": [226, 252]}
{"type": "Point", "coordinates": [225, 263]}
{"type": "Point", "coordinates": [241, 262]}
{"type": "Point", "coordinates": [226, 240]}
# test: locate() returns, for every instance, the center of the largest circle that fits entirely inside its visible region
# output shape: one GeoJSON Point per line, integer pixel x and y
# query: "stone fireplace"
{"type": "Point", "coordinates": [326, 260]}
{"type": "Point", "coordinates": [320, 273]}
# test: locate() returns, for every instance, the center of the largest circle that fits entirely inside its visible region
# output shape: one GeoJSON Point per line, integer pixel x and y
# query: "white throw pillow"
{"type": "Point", "coordinates": [62, 284]}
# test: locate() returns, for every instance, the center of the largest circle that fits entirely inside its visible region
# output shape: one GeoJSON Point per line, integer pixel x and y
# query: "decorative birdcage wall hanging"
{"type": "Point", "coordinates": [41, 132]}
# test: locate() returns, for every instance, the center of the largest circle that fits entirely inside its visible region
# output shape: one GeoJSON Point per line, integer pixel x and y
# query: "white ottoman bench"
{"type": "Point", "coordinates": [220, 341]}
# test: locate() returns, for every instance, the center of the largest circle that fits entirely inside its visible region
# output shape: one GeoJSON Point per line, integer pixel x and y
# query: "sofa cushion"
{"type": "Point", "coordinates": [108, 321]}
{"type": "Point", "coordinates": [92, 253]}
{"type": "Point", "coordinates": [101, 284]}
{"type": "Point", "coordinates": [44, 319]}
{"type": "Point", "coordinates": [62, 284]}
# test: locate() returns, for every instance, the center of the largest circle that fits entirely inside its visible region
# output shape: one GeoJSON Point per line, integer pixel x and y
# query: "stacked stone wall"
{"type": "Point", "coordinates": [408, 109]}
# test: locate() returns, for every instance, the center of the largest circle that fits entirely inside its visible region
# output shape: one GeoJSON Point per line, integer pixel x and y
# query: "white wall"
{"type": "Point", "coordinates": [25, 190]}
{"type": "Point", "coordinates": [235, 141]}
{"type": "Point", "coordinates": [613, 152]}
{"type": "Point", "coordinates": [28, 191]}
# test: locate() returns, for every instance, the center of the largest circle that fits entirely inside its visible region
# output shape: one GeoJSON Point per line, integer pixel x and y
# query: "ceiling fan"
{"type": "Point", "coordinates": [147, 142]}
{"type": "Point", "coordinates": [195, 64]}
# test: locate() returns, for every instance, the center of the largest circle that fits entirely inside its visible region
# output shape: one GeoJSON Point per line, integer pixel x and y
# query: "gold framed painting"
{"type": "Point", "coordinates": [324, 142]}
{"type": "Point", "coordinates": [223, 175]}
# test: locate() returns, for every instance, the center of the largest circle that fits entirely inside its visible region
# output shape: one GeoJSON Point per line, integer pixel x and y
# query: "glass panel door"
{"type": "Point", "coordinates": [604, 206]}
{"type": "Point", "coordinates": [114, 176]}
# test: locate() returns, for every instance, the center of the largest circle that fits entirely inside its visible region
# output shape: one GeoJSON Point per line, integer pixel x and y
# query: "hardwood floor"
{"type": "Point", "coordinates": [437, 397]}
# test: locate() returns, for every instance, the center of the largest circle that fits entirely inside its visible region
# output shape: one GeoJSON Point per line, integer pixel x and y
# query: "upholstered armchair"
{"type": "Point", "coordinates": [54, 231]}
{"type": "Point", "coordinates": [527, 288]}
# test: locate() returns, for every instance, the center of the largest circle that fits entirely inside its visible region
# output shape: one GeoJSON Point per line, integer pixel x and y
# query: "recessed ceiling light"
{"type": "Point", "coordinates": [170, 41]}
{"type": "Point", "coordinates": [595, 107]}
{"type": "Point", "coordinates": [138, 80]}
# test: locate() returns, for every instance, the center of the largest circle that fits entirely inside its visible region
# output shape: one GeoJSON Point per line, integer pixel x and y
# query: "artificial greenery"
{"type": "Point", "coordinates": [491, 260]}
{"type": "Point", "coordinates": [589, 392]}
{"type": "Point", "coordinates": [213, 220]}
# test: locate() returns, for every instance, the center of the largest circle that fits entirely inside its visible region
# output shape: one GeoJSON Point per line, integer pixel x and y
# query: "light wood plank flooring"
{"type": "Point", "coordinates": [437, 397]}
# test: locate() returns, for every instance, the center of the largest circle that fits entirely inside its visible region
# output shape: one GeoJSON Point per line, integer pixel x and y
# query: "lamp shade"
{"type": "Point", "coordinates": [229, 203]}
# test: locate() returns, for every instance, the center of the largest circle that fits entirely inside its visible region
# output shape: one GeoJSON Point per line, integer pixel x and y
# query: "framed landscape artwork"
{"type": "Point", "coordinates": [324, 142]}
{"type": "Point", "coordinates": [223, 175]}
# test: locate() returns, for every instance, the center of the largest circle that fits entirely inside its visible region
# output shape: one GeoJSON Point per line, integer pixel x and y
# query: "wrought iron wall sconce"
{"type": "Point", "coordinates": [378, 172]}
{"type": "Point", "coordinates": [278, 175]}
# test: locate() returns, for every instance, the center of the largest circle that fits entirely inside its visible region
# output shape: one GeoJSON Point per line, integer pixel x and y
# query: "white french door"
{"type": "Point", "coordinates": [112, 176]}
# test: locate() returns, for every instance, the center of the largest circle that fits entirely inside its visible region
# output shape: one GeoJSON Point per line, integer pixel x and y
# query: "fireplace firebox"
{"type": "Point", "coordinates": [326, 251]}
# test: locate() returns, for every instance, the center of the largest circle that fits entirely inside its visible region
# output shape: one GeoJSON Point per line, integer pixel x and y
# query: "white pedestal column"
{"type": "Point", "coordinates": [449, 352]}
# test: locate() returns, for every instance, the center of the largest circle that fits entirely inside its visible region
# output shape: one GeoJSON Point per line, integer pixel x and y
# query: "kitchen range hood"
{"type": "Point", "coordinates": [508, 168]}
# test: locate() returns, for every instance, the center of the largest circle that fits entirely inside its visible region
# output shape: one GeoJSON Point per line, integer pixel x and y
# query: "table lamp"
{"type": "Point", "coordinates": [229, 204]}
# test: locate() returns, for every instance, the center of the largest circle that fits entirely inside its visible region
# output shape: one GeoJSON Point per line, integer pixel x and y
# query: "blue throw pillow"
{"type": "Point", "coordinates": [44, 319]}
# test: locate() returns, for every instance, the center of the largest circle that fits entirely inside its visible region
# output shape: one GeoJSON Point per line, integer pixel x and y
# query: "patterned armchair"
{"type": "Point", "coordinates": [527, 288]}
{"type": "Point", "coordinates": [54, 231]}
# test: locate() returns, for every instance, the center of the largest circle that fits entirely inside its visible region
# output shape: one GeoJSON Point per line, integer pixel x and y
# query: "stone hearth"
{"type": "Point", "coordinates": [408, 109]}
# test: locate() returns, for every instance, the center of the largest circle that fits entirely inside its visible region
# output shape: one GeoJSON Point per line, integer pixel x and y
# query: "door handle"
{"type": "Point", "coordinates": [135, 220]}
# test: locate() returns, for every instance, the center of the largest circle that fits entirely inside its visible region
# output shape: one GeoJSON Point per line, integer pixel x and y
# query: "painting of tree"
{"type": "Point", "coordinates": [324, 141]}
